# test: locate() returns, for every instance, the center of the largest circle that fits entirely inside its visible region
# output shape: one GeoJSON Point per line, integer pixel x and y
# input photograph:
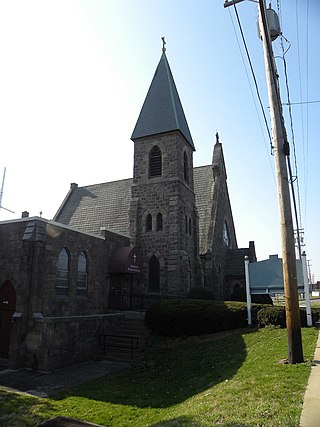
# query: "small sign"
{"type": "Point", "coordinates": [125, 260]}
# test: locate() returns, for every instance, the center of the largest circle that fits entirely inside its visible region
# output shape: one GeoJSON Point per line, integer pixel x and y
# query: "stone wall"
{"type": "Point", "coordinates": [176, 245]}
{"type": "Point", "coordinates": [55, 342]}
{"type": "Point", "coordinates": [46, 323]}
{"type": "Point", "coordinates": [214, 260]}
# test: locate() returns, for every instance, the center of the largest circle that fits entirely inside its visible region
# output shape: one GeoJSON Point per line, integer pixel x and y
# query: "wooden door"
{"type": "Point", "coordinates": [7, 308]}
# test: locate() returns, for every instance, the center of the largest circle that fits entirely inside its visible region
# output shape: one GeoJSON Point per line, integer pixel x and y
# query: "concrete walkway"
{"type": "Point", "coordinates": [48, 384]}
{"type": "Point", "coordinates": [310, 416]}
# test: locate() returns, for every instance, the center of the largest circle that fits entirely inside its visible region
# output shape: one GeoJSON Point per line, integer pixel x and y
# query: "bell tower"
{"type": "Point", "coordinates": [163, 216]}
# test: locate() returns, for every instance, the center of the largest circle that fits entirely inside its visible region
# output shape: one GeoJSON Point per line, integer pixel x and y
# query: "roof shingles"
{"type": "Point", "coordinates": [101, 205]}
{"type": "Point", "coordinates": [107, 205]}
{"type": "Point", "coordinates": [162, 110]}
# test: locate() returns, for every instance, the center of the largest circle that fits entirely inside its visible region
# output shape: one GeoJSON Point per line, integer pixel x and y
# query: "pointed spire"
{"type": "Point", "coordinates": [218, 165]}
{"type": "Point", "coordinates": [162, 109]}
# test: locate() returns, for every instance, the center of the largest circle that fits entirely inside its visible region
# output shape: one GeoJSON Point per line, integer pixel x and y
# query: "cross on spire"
{"type": "Point", "coordinates": [163, 44]}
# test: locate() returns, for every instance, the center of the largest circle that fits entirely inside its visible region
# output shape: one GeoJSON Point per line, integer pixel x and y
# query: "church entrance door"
{"type": "Point", "coordinates": [120, 295]}
{"type": "Point", "coordinates": [7, 308]}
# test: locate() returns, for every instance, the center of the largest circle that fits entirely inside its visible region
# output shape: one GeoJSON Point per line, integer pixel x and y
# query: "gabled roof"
{"type": "Point", "coordinates": [94, 206]}
{"type": "Point", "coordinates": [107, 205]}
{"type": "Point", "coordinates": [162, 109]}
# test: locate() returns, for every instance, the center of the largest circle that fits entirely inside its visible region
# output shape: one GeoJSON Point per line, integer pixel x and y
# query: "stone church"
{"type": "Point", "coordinates": [119, 245]}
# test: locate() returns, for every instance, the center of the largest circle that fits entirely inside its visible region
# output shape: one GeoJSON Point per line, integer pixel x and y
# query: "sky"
{"type": "Point", "coordinates": [74, 75]}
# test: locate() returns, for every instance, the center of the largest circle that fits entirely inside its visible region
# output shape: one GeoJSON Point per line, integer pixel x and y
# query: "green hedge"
{"type": "Point", "coordinates": [276, 316]}
{"type": "Point", "coordinates": [174, 318]}
{"type": "Point", "coordinates": [195, 317]}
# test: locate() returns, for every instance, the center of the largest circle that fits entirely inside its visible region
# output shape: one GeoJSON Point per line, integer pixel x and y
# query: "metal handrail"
{"type": "Point", "coordinates": [132, 339]}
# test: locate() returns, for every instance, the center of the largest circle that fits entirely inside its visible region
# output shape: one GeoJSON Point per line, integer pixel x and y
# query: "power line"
{"type": "Point", "coordinates": [307, 84]}
{"type": "Point", "coordinates": [251, 91]}
{"type": "Point", "coordinates": [303, 102]}
{"type": "Point", "coordinates": [254, 77]}
{"type": "Point", "coordinates": [304, 144]}
{"type": "Point", "coordinates": [297, 211]}
{"type": "Point", "coordinates": [292, 133]}
{"type": "Point", "coordinates": [295, 205]}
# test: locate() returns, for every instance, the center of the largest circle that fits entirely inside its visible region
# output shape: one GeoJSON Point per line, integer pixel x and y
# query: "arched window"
{"type": "Point", "coordinates": [226, 235]}
{"type": "Point", "coordinates": [185, 168]}
{"type": "Point", "coordinates": [82, 275]}
{"type": "Point", "coordinates": [62, 279]}
{"type": "Point", "coordinates": [159, 222]}
{"type": "Point", "coordinates": [155, 162]}
{"type": "Point", "coordinates": [154, 274]}
{"type": "Point", "coordinates": [149, 222]}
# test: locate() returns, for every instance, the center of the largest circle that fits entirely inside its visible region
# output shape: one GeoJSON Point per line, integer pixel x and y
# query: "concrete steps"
{"type": "Point", "coordinates": [127, 341]}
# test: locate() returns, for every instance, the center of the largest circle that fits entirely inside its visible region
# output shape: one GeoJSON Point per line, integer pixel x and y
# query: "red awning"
{"type": "Point", "coordinates": [126, 259]}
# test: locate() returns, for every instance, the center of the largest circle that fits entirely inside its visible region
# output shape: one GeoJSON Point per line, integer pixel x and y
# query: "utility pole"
{"type": "Point", "coordinates": [281, 151]}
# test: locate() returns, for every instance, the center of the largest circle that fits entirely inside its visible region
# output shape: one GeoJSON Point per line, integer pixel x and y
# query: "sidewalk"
{"type": "Point", "coordinates": [47, 384]}
{"type": "Point", "coordinates": [310, 416]}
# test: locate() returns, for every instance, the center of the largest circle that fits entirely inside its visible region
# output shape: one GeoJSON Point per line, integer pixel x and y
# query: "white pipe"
{"type": "Point", "coordinates": [246, 268]}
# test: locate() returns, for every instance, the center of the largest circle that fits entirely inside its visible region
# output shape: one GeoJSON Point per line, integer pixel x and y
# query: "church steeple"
{"type": "Point", "coordinates": [162, 109]}
{"type": "Point", "coordinates": [163, 217]}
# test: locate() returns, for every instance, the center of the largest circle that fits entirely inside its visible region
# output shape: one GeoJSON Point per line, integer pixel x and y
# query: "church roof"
{"type": "Point", "coordinates": [107, 205]}
{"type": "Point", "coordinates": [162, 109]}
{"type": "Point", "coordinates": [100, 205]}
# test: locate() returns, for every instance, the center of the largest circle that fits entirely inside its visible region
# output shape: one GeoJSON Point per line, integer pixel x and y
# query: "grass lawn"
{"type": "Point", "coordinates": [315, 304]}
{"type": "Point", "coordinates": [229, 379]}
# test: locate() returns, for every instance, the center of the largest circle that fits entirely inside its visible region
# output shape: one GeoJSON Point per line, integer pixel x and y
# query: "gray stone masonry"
{"type": "Point", "coordinates": [176, 245]}
{"type": "Point", "coordinates": [51, 330]}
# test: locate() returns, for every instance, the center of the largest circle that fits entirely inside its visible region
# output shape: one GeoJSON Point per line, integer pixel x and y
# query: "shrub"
{"type": "Point", "coordinates": [272, 315]}
{"type": "Point", "coordinates": [201, 293]}
{"type": "Point", "coordinates": [303, 316]}
{"type": "Point", "coordinates": [195, 317]}
{"type": "Point", "coordinates": [276, 316]}
{"type": "Point", "coordinates": [255, 308]}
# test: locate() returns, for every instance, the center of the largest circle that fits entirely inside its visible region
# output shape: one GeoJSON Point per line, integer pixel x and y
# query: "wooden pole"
{"type": "Point", "coordinates": [295, 353]}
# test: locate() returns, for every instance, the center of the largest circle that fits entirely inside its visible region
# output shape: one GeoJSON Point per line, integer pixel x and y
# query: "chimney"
{"type": "Point", "coordinates": [252, 251]}
{"type": "Point", "coordinates": [25, 214]}
{"type": "Point", "coordinates": [73, 185]}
